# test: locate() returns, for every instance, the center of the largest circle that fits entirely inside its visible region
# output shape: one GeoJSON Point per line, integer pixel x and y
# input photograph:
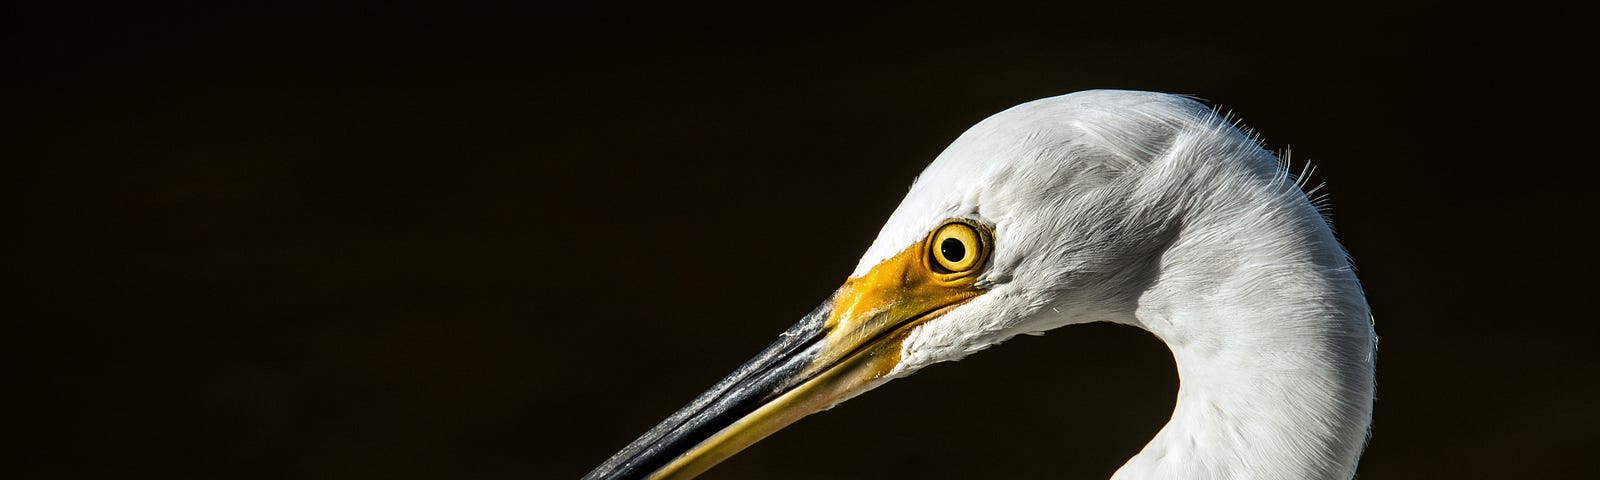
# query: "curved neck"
{"type": "Point", "coordinates": [1260, 408]}
{"type": "Point", "coordinates": [1274, 346]}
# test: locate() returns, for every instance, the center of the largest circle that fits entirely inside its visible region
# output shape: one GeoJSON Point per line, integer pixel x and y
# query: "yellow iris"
{"type": "Point", "coordinates": [957, 248]}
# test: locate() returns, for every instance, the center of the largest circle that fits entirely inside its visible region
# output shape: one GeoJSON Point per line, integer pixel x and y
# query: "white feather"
{"type": "Point", "coordinates": [1151, 210]}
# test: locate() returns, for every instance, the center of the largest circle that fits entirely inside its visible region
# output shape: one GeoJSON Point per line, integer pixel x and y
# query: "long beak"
{"type": "Point", "coordinates": [843, 348]}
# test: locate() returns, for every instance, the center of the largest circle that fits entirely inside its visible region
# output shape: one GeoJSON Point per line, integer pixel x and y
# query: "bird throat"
{"type": "Point", "coordinates": [1272, 385]}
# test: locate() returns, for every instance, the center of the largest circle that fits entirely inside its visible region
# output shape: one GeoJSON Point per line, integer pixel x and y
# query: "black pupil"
{"type": "Point", "coordinates": [952, 249]}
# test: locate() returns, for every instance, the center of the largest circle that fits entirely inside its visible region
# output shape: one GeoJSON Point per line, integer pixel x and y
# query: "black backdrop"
{"type": "Point", "coordinates": [456, 242]}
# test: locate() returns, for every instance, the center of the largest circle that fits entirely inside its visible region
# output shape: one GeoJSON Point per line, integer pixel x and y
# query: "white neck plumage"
{"type": "Point", "coordinates": [1260, 407]}
{"type": "Point", "coordinates": [1272, 338]}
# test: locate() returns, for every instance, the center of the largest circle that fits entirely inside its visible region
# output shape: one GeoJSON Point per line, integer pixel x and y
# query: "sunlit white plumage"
{"type": "Point", "coordinates": [1137, 208]}
{"type": "Point", "coordinates": [1151, 210]}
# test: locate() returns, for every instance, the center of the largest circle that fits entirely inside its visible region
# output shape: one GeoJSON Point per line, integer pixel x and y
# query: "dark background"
{"type": "Point", "coordinates": [458, 242]}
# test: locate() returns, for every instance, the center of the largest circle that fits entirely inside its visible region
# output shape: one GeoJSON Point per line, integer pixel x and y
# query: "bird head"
{"type": "Point", "coordinates": [1047, 214]}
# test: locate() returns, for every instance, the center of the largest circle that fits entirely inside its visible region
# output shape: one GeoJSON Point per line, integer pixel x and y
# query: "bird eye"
{"type": "Point", "coordinates": [955, 247]}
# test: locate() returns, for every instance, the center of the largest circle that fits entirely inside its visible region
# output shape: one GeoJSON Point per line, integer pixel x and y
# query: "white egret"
{"type": "Point", "coordinates": [1137, 208]}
